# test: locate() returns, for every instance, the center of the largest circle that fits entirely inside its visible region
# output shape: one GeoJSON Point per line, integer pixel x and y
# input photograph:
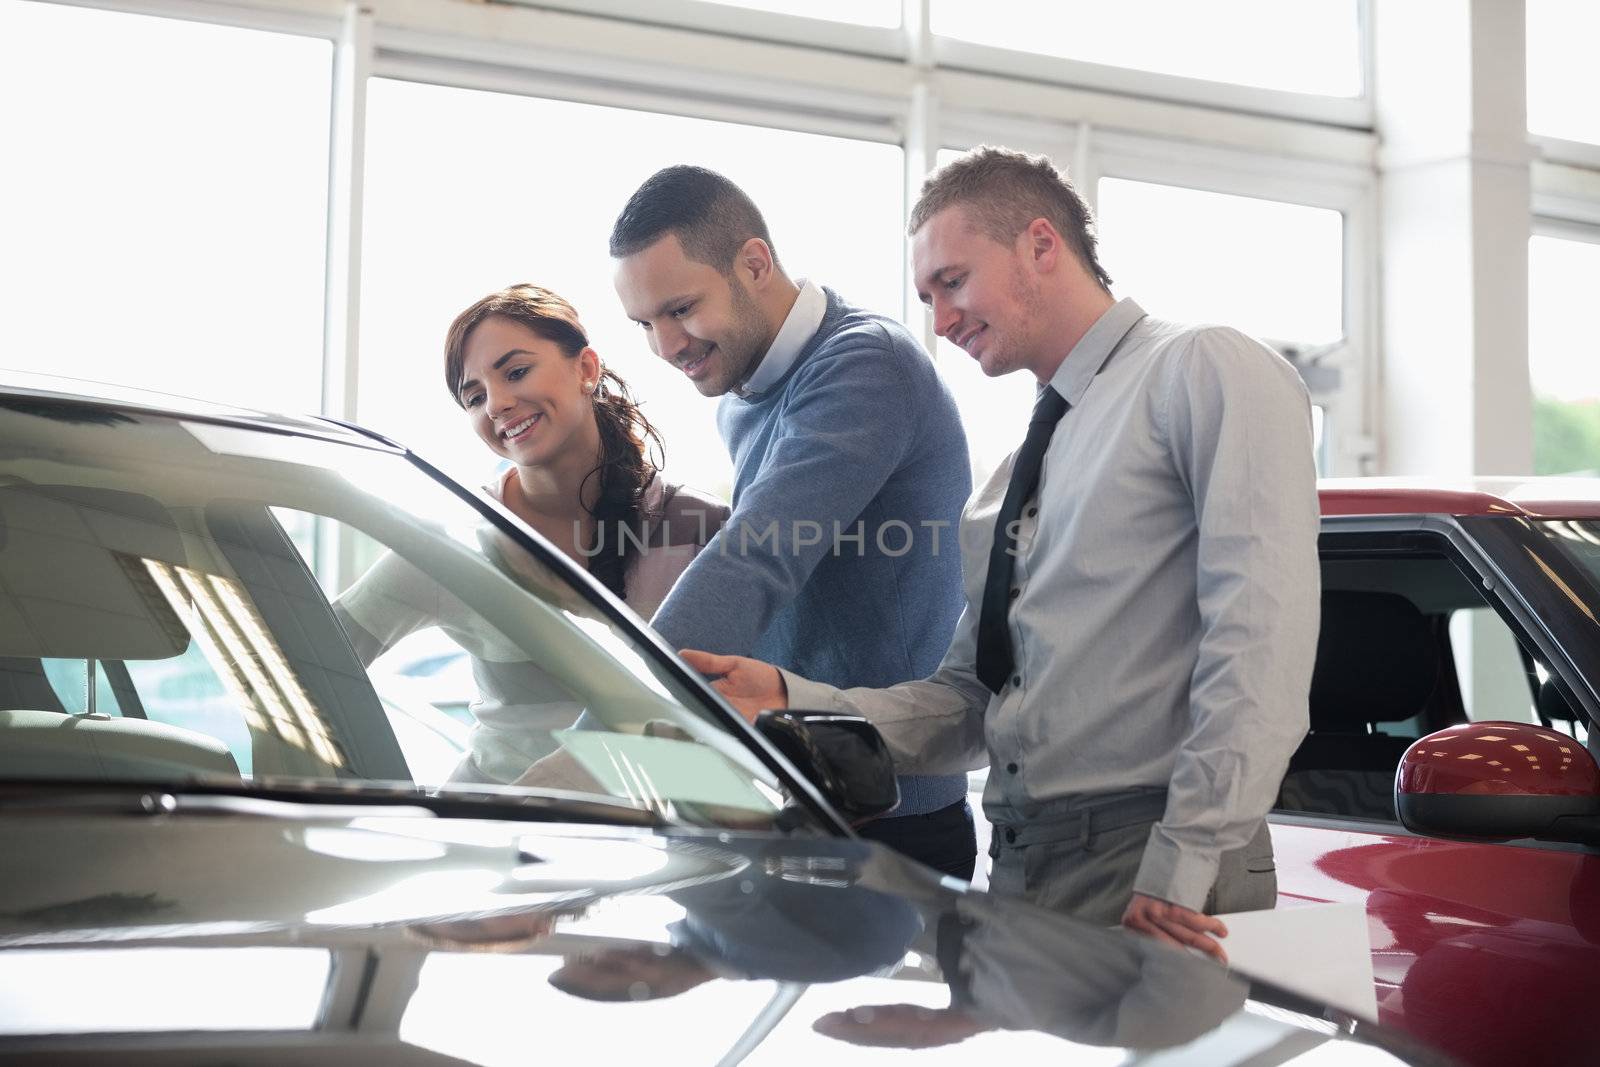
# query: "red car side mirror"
{"type": "Point", "coordinates": [1498, 781]}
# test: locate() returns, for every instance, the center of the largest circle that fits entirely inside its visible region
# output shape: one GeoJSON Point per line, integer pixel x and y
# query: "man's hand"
{"type": "Point", "coordinates": [900, 1026]}
{"type": "Point", "coordinates": [1175, 925]}
{"type": "Point", "coordinates": [750, 685]}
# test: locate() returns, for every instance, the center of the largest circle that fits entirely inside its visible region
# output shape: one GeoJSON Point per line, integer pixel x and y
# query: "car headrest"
{"type": "Point", "coordinates": [72, 580]}
{"type": "Point", "coordinates": [1377, 661]}
{"type": "Point", "coordinates": [1554, 705]}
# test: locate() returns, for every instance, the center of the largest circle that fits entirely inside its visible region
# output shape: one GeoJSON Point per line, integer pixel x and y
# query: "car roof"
{"type": "Point", "coordinates": [26, 385]}
{"type": "Point", "coordinates": [1528, 497]}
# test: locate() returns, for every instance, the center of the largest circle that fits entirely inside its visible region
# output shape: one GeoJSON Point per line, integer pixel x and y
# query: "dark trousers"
{"type": "Point", "coordinates": [943, 839]}
{"type": "Point", "coordinates": [1081, 855]}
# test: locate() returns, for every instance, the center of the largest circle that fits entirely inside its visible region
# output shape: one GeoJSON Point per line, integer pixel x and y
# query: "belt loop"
{"type": "Point", "coordinates": [1084, 831]}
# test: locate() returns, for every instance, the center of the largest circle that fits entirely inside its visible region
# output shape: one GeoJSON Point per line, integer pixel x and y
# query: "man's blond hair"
{"type": "Point", "coordinates": [1002, 191]}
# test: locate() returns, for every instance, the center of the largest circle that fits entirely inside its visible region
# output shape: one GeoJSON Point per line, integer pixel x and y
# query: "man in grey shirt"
{"type": "Point", "coordinates": [1134, 660]}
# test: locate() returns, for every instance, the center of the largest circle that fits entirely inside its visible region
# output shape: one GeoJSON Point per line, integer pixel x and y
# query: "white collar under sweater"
{"type": "Point", "coordinates": [797, 329]}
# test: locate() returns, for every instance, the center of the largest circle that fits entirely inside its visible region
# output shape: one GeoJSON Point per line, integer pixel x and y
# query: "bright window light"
{"type": "Point", "coordinates": [1563, 348]}
{"type": "Point", "coordinates": [144, 990]}
{"type": "Point", "coordinates": [163, 203]}
{"type": "Point", "coordinates": [994, 411]}
{"type": "Point", "coordinates": [1271, 269]}
{"type": "Point", "coordinates": [1563, 79]}
{"type": "Point", "coordinates": [1315, 45]}
{"type": "Point", "coordinates": [1564, 355]}
{"type": "Point", "coordinates": [469, 191]}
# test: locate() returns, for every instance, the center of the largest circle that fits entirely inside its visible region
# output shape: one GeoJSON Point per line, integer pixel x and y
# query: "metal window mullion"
{"type": "Point", "coordinates": [333, 555]}
{"type": "Point", "coordinates": [923, 137]}
{"type": "Point", "coordinates": [1352, 420]}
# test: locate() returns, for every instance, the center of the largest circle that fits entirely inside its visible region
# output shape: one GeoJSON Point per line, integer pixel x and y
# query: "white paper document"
{"type": "Point", "coordinates": [1318, 950]}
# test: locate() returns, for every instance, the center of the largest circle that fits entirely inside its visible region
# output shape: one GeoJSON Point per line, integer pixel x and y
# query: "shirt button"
{"type": "Point", "coordinates": [1011, 768]}
{"type": "Point", "coordinates": [1032, 512]}
{"type": "Point", "coordinates": [1011, 836]}
{"type": "Point", "coordinates": [1016, 679]}
{"type": "Point", "coordinates": [1015, 593]}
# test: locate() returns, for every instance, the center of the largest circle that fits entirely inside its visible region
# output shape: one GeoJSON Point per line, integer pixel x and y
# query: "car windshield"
{"type": "Point", "coordinates": [186, 601]}
{"type": "Point", "coordinates": [1580, 538]}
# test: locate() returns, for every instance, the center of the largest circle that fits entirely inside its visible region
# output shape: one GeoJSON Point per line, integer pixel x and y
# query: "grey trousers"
{"type": "Point", "coordinates": [1080, 855]}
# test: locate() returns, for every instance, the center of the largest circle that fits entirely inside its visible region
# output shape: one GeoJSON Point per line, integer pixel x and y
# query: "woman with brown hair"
{"type": "Point", "coordinates": [585, 461]}
{"type": "Point", "coordinates": [583, 473]}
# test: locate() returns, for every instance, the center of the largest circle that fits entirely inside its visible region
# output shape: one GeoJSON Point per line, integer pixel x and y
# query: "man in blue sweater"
{"type": "Point", "coordinates": [839, 561]}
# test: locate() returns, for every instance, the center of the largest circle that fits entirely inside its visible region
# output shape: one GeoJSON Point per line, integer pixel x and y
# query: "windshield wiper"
{"type": "Point", "coordinates": [290, 799]}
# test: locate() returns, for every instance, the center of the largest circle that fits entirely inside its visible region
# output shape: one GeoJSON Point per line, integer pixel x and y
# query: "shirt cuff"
{"type": "Point", "coordinates": [1170, 873]}
{"type": "Point", "coordinates": [806, 695]}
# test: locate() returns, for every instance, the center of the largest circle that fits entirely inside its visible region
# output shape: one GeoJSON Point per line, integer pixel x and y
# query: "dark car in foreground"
{"type": "Point", "coordinates": [220, 843]}
{"type": "Point", "coordinates": [1448, 782]}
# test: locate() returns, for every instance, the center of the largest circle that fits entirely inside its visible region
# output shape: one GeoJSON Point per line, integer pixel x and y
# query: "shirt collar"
{"type": "Point", "coordinates": [804, 318]}
{"type": "Point", "coordinates": [1072, 378]}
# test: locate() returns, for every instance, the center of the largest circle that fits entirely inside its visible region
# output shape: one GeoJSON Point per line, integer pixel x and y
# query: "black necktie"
{"type": "Point", "coordinates": [995, 658]}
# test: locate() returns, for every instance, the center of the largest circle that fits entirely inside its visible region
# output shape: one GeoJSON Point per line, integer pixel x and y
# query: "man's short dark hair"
{"type": "Point", "coordinates": [1002, 191]}
{"type": "Point", "coordinates": [712, 217]}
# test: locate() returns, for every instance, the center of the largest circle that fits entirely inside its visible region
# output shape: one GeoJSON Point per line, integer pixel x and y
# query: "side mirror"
{"type": "Point", "coordinates": [842, 754]}
{"type": "Point", "coordinates": [1498, 781]}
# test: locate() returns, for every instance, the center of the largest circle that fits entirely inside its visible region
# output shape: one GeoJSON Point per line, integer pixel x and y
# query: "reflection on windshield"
{"type": "Point", "coordinates": [186, 601]}
{"type": "Point", "coordinates": [243, 653]}
{"type": "Point", "coordinates": [1581, 539]}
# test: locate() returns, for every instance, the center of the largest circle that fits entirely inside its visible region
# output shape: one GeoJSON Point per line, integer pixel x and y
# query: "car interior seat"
{"type": "Point", "coordinates": [74, 585]}
{"type": "Point", "coordinates": [1554, 708]}
{"type": "Point", "coordinates": [1378, 661]}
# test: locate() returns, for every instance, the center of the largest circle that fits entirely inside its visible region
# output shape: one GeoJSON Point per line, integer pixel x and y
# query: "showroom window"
{"type": "Point", "coordinates": [1316, 44]}
{"type": "Point", "coordinates": [1564, 353]}
{"type": "Point", "coordinates": [1272, 269]}
{"type": "Point", "coordinates": [1563, 79]}
{"type": "Point", "coordinates": [165, 215]}
{"type": "Point", "coordinates": [470, 191]}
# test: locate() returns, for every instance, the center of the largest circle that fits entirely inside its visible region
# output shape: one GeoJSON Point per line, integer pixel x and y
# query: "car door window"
{"type": "Point", "coordinates": [1493, 667]}
{"type": "Point", "coordinates": [1408, 646]}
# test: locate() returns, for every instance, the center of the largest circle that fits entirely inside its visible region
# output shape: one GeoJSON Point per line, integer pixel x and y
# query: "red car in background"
{"type": "Point", "coordinates": [1448, 782]}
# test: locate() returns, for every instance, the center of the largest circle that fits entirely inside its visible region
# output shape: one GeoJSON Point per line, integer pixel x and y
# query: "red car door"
{"type": "Point", "coordinates": [1489, 951]}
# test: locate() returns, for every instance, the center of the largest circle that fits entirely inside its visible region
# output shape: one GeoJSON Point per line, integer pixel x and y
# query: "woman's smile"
{"type": "Point", "coordinates": [519, 430]}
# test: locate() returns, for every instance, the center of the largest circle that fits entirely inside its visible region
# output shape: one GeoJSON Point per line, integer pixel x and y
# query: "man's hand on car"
{"type": "Point", "coordinates": [1175, 925]}
{"type": "Point", "coordinates": [750, 685]}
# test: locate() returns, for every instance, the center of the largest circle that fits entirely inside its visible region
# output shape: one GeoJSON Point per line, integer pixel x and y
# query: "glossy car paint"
{"type": "Point", "coordinates": [1491, 952]}
{"type": "Point", "coordinates": [390, 937]}
{"type": "Point", "coordinates": [1506, 759]}
{"type": "Point", "coordinates": [1566, 498]}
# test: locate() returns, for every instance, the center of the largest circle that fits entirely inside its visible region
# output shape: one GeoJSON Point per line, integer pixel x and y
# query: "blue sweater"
{"type": "Point", "coordinates": [859, 436]}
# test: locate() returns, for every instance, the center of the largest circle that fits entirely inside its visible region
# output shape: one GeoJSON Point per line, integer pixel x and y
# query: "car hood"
{"type": "Point", "coordinates": [393, 936]}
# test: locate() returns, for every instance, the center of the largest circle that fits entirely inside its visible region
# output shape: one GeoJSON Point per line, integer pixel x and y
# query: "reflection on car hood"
{"type": "Point", "coordinates": [390, 938]}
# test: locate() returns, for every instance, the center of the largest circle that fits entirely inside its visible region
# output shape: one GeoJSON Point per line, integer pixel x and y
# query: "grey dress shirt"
{"type": "Point", "coordinates": [1165, 602]}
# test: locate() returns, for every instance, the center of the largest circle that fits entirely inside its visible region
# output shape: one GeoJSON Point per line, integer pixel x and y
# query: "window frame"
{"type": "Point", "coordinates": [912, 39]}
{"type": "Point", "coordinates": [896, 85]}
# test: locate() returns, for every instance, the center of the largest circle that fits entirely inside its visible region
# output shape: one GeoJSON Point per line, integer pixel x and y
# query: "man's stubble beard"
{"type": "Point", "coordinates": [747, 342]}
{"type": "Point", "coordinates": [1017, 341]}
